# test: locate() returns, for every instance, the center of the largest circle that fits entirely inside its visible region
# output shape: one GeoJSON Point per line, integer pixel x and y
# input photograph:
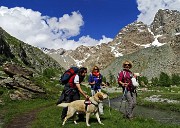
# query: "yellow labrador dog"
{"type": "Point", "coordinates": [80, 106]}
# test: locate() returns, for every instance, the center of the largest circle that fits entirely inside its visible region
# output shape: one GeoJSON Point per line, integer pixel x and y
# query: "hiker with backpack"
{"type": "Point", "coordinates": [129, 91]}
{"type": "Point", "coordinates": [72, 87]}
{"type": "Point", "coordinates": [95, 81]}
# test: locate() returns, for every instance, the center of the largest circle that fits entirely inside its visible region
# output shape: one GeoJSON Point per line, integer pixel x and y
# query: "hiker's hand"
{"type": "Point", "coordinates": [87, 96]}
{"type": "Point", "coordinates": [93, 82]}
{"type": "Point", "coordinates": [125, 84]}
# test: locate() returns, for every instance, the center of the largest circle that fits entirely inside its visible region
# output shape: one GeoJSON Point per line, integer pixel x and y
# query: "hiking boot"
{"type": "Point", "coordinates": [130, 118]}
{"type": "Point", "coordinates": [127, 117]}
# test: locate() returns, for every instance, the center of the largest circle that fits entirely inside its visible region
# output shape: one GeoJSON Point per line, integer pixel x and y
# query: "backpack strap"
{"type": "Point", "coordinates": [124, 73]}
{"type": "Point", "coordinates": [71, 81]}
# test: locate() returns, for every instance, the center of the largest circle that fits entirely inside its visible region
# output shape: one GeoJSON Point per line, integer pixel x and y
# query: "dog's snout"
{"type": "Point", "coordinates": [105, 96]}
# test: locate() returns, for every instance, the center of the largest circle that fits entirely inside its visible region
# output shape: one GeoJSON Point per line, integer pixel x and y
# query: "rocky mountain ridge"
{"type": "Point", "coordinates": [130, 39]}
{"type": "Point", "coordinates": [161, 55]}
{"type": "Point", "coordinates": [98, 55]}
{"type": "Point", "coordinates": [137, 36]}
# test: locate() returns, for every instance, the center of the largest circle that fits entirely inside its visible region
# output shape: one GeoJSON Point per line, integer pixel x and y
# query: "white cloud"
{"type": "Point", "coordinates": [104, 39]}
{"type": "Point", "coordinates": [68, 24]}
{"type": "Point", "coordinates": [44, 31]}
{"type": "Point", "coordinates": [88, 41]}
{"type": "Point", "coordinates": [148, 8]}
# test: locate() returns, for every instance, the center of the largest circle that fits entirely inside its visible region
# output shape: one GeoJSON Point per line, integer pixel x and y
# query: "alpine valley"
{"type": "Point", "coordinates": [152, 48]}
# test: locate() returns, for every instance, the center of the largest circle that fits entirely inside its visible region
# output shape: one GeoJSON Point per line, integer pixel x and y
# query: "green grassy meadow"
{"type": "Point", "coordinates": [49, 116]}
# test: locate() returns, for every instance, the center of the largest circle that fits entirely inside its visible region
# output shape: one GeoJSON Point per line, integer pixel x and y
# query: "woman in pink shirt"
{"type": "Point", "coordinates": [124, 79]}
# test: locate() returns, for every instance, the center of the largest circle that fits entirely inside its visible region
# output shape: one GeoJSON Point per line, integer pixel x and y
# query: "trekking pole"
{"type": "Point", "coordinates": [124, 93]}
{"type": "Point", "coordinates": [109, 105]}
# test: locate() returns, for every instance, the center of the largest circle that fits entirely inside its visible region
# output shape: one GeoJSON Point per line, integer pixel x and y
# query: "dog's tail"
{"type": "Point", "coordinates": [63, 105]}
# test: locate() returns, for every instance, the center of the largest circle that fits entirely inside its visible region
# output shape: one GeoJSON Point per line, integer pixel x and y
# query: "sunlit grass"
{"type": "Point", "coordinates": [50, 118]}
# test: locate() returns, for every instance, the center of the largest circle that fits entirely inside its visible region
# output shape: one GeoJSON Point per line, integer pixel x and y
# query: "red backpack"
{"type": "Point", "coordinates": [68, 74]}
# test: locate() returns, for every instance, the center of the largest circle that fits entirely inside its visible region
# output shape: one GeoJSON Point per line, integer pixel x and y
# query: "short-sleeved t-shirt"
{"type": "Point", "coordinates": [76, 79]}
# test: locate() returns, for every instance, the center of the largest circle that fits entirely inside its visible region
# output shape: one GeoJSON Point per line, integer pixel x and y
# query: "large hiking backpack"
{"type": "Point", "coordinates": [68, 74]}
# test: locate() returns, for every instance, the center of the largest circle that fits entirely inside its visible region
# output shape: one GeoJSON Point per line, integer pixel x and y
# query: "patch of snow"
{"type": "Point", "coordinates": [150, 31]}
{"type": "Point", "coordinates": [146, 45]}
{"type": "Point", "coordinates": [156, 42]}
{"type": "Point", "coordinates": [79, 62]}
{"type": "Point", "coordinates": [137, 44]}
{"type": "Point", "coordinates": [177, 33]}
{"type": "Point", "coordinates": [140, 30]}
{"type": "Point", "coordinates": [115, 52]}
{"type": "Point", "coordinates": [64, 58]}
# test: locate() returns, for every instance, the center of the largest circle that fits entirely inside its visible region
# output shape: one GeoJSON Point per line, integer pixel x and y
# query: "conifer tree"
{"type": "Point", "coordinates": [164, 79]}
{"type": "Point", "coordinates": [175, 79]}
{"type": "Point", "coordinates": [155, 81]}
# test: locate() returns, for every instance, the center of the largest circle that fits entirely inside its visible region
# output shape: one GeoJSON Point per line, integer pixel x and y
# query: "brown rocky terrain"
{"type": "Point", "coordinates": [138, 40]}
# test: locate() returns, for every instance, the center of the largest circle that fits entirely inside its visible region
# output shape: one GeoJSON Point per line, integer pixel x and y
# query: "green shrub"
{"type": "Point", "coordinates": [164, 80]}
{"type": "Point", "coordinates": [3, 58]}
{"type": "Point", "coordinates": [175, 79]}
{"type": "Point", "coordinates": [112, 79]}
{"type": "Point", "coordinates": [49, 72]}
{"type": "Point", "coordinates": [104, 79]}
{"type": "Point", "coordinates": [155, 81]}
{"type": "Point", "coordinates": [143, 80]}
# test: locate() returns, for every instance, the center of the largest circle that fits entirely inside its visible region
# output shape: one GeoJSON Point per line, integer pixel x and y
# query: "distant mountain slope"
{"type": "Point", "coordinates": [131, 38]}
{"type": "Point", "coordinates": [150, 61]}
{"type": "Point", "coordinates": [137, 40]}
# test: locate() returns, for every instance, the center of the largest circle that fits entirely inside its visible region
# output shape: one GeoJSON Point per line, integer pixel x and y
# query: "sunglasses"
{"type": "Point", "coordinates": [127, 64]}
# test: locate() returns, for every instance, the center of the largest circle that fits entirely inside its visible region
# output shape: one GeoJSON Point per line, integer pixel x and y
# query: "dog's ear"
{"type": "Point", "coordinates": [100, 96]}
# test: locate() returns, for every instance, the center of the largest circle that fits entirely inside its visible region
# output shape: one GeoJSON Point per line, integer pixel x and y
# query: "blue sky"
{"type": "Point", "coordinates": [71, 23]}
